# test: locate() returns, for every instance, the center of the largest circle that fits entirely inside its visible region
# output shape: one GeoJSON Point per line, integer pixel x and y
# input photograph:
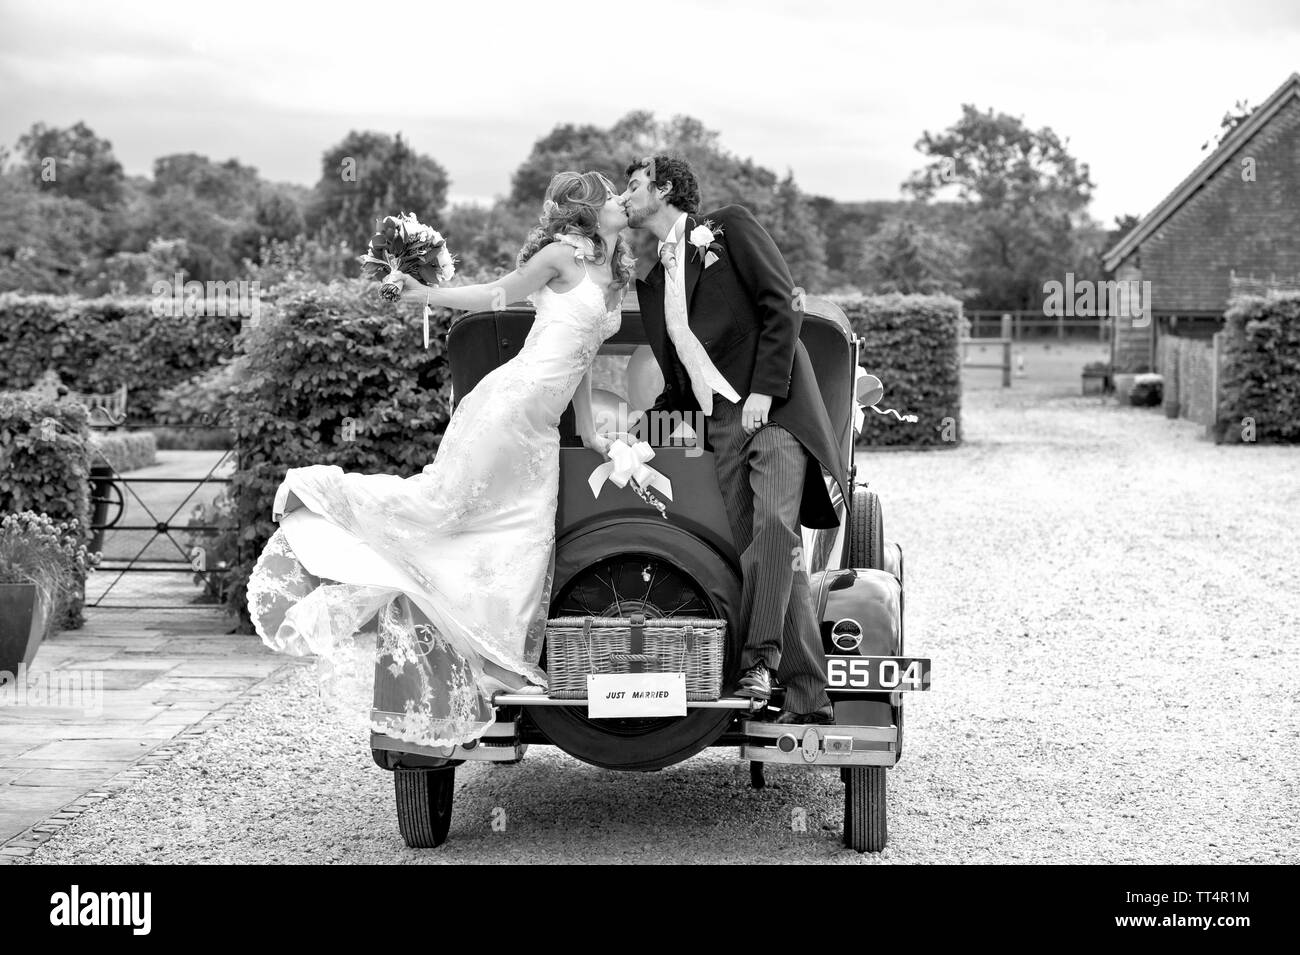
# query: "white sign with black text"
{"type": "Point", "coordinates": [611, 696]}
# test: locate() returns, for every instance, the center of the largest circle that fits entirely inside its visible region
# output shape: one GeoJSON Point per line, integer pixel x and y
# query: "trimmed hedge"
{"type": "Point", "coordinates": [319, 356]}
{"type": "Point", "coordinates": [126, 450]}
{"type": "Point", "coordinates": [1259, 376]}
{"type": "Point", "coordinates": [98, 345]}
{"type": "Point", "coordinates": [45, 467]}
{"type": "Point", "coordinates": [912, 346]}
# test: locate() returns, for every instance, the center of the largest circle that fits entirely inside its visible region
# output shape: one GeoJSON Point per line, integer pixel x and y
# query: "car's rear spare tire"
{"type": "Point", "coordinates": [661, 571]}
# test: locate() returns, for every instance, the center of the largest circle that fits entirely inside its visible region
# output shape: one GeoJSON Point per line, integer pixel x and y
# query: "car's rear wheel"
{"type": "Point", "coordinates": [864, 808]}
{"type": "Point", "coordinates": [424, 798]}
{"type": "Point", "coordinates": [865, 827]}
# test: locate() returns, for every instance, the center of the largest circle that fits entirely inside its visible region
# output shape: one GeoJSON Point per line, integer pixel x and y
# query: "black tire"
{"type": "Point", "coordinates": [424, 798]}
{"type": "Point", "coordinates": [865, 828]}
{"type": "Point", "coordinates": [756, 777]}
{"type": "Point", "coordinates": [714, 587]}
{"type": "Point", "coordinates": [866, 531]}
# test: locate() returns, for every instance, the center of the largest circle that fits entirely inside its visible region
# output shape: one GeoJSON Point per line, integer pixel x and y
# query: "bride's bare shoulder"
{"type": "Point", "coordinates": [557, 259]}
{"type": "Point", "coordinates": [568, 267]}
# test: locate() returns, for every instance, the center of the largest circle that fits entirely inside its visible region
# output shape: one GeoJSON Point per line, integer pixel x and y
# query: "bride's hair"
{"type": "Point", "coordinates": [572, 206]}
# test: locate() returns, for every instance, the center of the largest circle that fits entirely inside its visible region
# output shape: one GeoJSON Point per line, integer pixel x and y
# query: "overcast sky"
{"type": "Point", "coordinates": [837, 91]}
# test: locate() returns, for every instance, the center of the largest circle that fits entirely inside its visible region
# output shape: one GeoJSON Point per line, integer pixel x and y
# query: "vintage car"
{"type": "Point", "coordinates": [618, 557]}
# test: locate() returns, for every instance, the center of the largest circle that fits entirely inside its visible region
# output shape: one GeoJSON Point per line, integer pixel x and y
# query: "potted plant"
{"type": "Point", "coordinates": [39, 564]}
{"type": "Point", "coordinates": [1147, 390]}
{"type": "Point", "coordinates": [1096, 378]}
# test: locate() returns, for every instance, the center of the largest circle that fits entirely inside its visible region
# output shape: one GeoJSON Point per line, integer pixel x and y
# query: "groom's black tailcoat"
{"type": "Point", "coordinates": [742, 309]}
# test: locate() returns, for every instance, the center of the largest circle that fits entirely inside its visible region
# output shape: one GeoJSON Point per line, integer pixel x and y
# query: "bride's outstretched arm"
{"type": "Point", "coordinates": [550, 262]}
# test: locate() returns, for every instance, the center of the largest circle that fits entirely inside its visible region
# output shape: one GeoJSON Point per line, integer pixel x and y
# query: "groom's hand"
{"type": "Point", "coordinates": [754, 415]}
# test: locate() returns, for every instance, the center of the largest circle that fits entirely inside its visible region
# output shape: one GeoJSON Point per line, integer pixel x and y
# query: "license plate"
{"type": "Point", "coordinates": [877, 674]}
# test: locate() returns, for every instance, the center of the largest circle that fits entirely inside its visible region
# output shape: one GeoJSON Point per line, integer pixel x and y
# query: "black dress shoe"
{"type": "Point", "coordinates": [823, 716]}
{"type": "Point", "coordinates": [756, 683]}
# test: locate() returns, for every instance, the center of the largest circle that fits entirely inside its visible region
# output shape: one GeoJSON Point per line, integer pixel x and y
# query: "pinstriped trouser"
{"type": "Point", "coordinates": [761, 479]}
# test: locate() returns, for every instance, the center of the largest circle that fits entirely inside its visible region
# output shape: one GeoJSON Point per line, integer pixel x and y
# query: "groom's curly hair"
{"type": "Point", "coordinates": [664, 169]}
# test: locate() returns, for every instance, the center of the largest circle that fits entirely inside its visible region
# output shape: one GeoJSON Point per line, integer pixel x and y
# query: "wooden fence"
{"type": "Point", "coordinates": [1028, 325]}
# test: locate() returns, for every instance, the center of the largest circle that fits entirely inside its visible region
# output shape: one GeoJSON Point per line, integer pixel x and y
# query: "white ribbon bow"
{"type": "Point", "coordinates": [627, 463]}
{"type": "Point", "coordinates": [859, 408]}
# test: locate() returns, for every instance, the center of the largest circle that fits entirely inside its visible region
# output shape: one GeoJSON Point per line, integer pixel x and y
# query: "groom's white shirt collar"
{"type": "Point", "coordinates": [674, 234]}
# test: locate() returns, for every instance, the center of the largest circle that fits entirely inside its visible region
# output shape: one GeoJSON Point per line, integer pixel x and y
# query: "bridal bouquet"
{"type": "Point", "coordinates": [405, 245]}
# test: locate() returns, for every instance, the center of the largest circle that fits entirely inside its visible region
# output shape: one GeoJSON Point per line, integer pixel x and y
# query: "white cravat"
{"type": "Point", "coordinates": [704, 375]}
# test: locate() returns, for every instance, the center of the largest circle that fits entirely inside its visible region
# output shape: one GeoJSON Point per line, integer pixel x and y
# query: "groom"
{"type": "Point", "coordinates": [720, 317]}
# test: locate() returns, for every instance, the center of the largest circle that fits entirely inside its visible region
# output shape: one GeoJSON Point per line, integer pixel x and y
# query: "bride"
{"type": "Point", "coordinates": [444, 577]}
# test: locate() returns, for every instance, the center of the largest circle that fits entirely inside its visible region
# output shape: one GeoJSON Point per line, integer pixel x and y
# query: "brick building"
{"type": "Point", "coordinates": [1233, 221]}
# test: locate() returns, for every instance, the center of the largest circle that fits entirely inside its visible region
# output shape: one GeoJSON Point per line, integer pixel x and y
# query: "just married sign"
{"type": "Point", "coordinates": [611, 696]}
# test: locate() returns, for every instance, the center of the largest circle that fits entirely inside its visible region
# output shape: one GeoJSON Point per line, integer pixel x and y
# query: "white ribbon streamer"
{"type": "Point", "coordinates": [859, 410]}
{"type": "Point", "coordinates": [911, 418]}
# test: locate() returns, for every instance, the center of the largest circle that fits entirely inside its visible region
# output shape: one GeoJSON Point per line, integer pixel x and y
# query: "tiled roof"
{"type": "Point", "coordinates": [1201, 174]}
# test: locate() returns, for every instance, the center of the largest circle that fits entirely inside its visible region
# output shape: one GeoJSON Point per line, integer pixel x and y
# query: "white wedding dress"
{"type": "Point", "coordinates": [432, 574]}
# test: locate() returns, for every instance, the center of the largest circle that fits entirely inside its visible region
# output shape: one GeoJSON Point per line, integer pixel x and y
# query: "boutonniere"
{"type": "Point", "coordinates": [704, 237]}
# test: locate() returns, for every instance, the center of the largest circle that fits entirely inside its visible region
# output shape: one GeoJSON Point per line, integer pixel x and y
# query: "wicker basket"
{"type": "Point", "coordinates": [577, 646]}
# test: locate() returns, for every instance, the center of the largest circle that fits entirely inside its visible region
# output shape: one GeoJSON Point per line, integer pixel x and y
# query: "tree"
{"type": "Point", "coordinates": [1027, 197]}
{"type": "Point", "coordinates": [1123, 226]}
{"type": "Point", "coordinates": [230, 186]}
{"type": "Point", "coordinates": [581, 148]}
{"type": "Point", "coordinates": [49, 241]}
{"type": "Point", "coordinates": [794, 226]}
{"type": "Point", "coordinates": [178, 214]}
{"type": "Point", "coordinates": [485, 240]}
{"type": "Point", "coordinates": [904, 256]}
{"type": "Point", "coordinates": [72, 162]}
{"type": "Point", "coordinates": [724, 179]}
{"type": "Point", "coordinates": [368, 176]}
{"type": "Point", "coordinates": [277, 217]}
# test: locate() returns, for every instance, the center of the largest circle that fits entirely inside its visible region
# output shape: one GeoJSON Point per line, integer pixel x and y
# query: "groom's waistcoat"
{"type": "Point", "coordinates": [741, 308]}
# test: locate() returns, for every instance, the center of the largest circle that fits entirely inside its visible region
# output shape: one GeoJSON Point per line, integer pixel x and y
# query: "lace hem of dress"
{"type": "Point", "coordinates": [397, 726]}
{"type": "Point", "coordinates": [369, 642]}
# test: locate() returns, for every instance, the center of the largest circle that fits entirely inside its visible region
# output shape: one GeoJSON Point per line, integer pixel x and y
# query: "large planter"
{"type": "Point", "coordinates": [1096, 382]}
{"type": "Point", "coordinates": [24, 615]}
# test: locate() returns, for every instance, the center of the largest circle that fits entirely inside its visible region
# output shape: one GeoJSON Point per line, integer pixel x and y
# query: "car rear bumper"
{"type": "Point", "coordinates": [828, 746]}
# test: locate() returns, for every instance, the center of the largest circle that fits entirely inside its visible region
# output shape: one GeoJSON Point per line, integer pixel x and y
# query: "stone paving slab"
{"type": "Point", "coordinates": [260, 667]}
{"type": "Point", "coordinates": [120, 661]}
{"type": "Point", "coordinates": [83, 750]}
{"type": "Point", "coordinates": [60, 777]}
{"type": "Point", "coordinates": [24, 805]}
{"type": "Point", "coordinates": [156, 676]}
{"type": "Point", "coordinates": [196, 686]}
{"type": "Point", "coordinates": [115, 729]}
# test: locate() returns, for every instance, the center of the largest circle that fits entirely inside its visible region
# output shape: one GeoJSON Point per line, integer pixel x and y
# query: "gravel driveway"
{"type": "Point", "coordinates": [1109, 603]}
